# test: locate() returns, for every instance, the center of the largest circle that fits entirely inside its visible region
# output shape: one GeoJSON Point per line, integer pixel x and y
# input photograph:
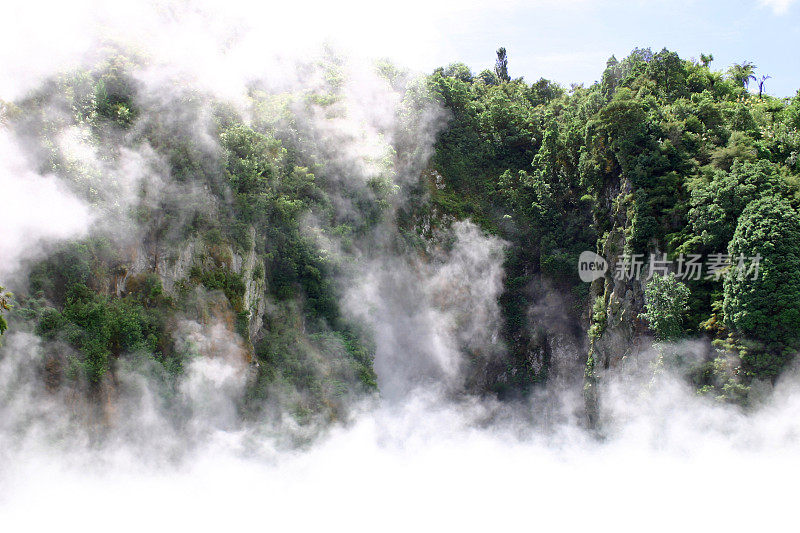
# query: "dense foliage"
{"type": "Point", "coordinates": [665, 302]}
{"type": "Point", "coordinates": [764, 307]}
{"type": "Point", "coordinates": [5, 305]}
{"type": "Point", "coordinates": [218, 239]}
{"type": "Point", "coordinates": [663, 155]}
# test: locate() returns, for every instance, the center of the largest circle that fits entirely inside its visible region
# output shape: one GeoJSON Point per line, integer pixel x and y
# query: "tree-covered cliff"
{"type": "Point", "coordinates": [663, 156]}
{"type": "Point", "coordinates": [253, 217]}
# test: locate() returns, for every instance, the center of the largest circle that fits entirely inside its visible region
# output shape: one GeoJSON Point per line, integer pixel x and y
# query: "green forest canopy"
{"type": "Point", "coordinates": [666, 152]}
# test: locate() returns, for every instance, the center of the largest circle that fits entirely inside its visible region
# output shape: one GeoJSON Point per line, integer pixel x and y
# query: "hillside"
{"type": "Point", "coordinates": [331, 250]}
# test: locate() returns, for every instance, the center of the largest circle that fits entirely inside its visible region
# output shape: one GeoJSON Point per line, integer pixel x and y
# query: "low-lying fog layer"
{"type": "Point", "coordinates": [666, 459]}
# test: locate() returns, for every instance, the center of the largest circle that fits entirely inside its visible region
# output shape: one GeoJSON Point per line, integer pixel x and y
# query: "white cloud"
{"type": "Point", "coordinates": [33, 208]}
{"type": "Point", "coordinates": [778, 6]}
{"type": "Point", "coordinates": [226, 37]}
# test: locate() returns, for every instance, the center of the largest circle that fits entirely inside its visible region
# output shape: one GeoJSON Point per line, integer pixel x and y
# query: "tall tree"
{"type": "Point", "coordinates": [761, 83]}
{"type": "Point", "coordinates": [501, 65]}
{"type": "Point", "coordinates": [762, 307]}
{"type": "Point", "coordinates": [706, 59]}
{"type": "Point", "coordinates": [743, 73]}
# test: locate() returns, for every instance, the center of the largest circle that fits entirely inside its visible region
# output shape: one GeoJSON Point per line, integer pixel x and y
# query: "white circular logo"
{"type": "Point", "coordinates": [591, 266]}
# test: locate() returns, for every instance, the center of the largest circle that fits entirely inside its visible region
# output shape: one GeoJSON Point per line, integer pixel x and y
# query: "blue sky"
{"type": "Point", "coordinates": [571, 40]}
{"type": "Point", "coordinates": [564, 40]}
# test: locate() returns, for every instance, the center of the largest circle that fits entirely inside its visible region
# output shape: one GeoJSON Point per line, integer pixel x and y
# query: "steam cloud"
{"type": "Point", "coordinates": [427, 454]}
{"type": "Point", "coordinates": [448, 304]}
{"type": "Point", "coordinates": [38, 208]}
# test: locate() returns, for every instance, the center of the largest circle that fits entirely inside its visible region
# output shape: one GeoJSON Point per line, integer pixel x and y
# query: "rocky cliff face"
{"type": "Point", "coordinates": [616, 333]}
{"type": "Point", "coordinates": [176, 266]}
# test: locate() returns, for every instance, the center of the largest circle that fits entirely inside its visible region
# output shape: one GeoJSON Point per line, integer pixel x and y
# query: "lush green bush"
{"type": "Point", "coordinates": [763, 308]}
{"type": "Point", "coordinates": [665, 301]}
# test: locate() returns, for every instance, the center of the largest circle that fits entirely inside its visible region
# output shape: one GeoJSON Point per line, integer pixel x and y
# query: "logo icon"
{"type": "Point", "coordinates": [591, 266]}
